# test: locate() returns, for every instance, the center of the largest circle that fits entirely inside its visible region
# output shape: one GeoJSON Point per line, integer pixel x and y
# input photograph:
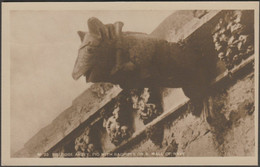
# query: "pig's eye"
{"type": "Point", "coordinates": [95, 43]}
{"type": "Point", "coordinates": [90, 49]}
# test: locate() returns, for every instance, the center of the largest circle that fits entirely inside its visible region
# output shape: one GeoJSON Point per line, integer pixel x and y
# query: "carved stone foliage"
{"type": "Point", "coordinates": [140, 102]}
{"type": "Point", "coordinates": [115, 129]}
{"type": "Point", "coordinates": [83, 145]}
{"type": "Point", "coordinates": [234, 37]}
{"type": "Point", "coordinates": [119, 123]}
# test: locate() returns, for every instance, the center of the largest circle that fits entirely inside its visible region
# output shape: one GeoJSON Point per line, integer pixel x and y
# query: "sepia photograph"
{"type": "Point", "coordinates": [130, 83]}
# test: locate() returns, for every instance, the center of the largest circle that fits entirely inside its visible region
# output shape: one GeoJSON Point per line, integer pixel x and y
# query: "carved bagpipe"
{"type": "Point", "coordinates": [138, 60]}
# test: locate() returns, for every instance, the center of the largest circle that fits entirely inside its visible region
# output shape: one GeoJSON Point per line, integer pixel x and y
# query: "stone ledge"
{"type": "Point", "coordinates": [175, 112]}
{"type": "Point", "coordinates": [62, 127]}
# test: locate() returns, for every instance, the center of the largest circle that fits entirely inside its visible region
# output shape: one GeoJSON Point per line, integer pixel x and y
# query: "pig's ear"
{"type": "Point", "coordinates": [95, 26]}
{"type": "Point", "coordinates": [81, 35]}
{"type": "Point", "coordinates": [118, 27]}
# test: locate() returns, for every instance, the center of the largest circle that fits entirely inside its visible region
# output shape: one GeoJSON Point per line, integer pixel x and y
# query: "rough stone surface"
{"type": "Point", "coordinates": [239, 140]}
{"type": "Point", "coordinates": [232, 134]}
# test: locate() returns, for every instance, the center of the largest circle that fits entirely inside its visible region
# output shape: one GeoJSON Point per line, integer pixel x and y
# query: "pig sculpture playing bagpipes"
{"type": "Point", "coordinates": [138, 60]}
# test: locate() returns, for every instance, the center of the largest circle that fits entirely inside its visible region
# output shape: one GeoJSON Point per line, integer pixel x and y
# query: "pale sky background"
{"type": "Point", "coordinates": [44, 46]}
